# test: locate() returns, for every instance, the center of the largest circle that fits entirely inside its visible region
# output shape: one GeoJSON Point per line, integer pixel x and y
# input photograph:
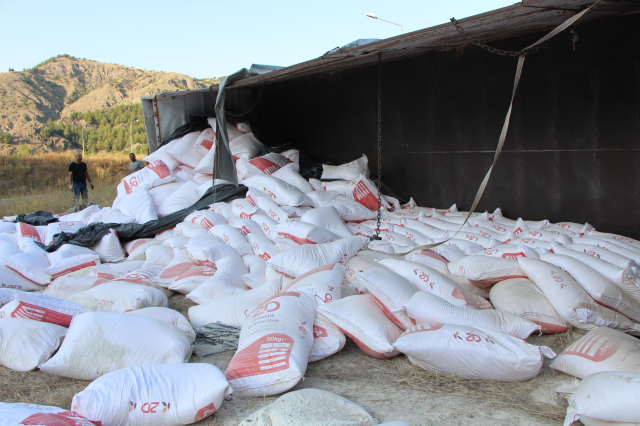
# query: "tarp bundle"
{"type": "Point", "coordinates": [90, 235]}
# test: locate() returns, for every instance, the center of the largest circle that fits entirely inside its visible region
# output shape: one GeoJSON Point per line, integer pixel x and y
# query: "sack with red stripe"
{"type": "Point", "coordinates": [232, 237]}
{"type": "Point", "coordinates": [152, 395]}
{"type": "Point", "coordinates": [205, 219]}
{"type": "Point", "coordinates": [601, 349]}
{"type": "Point", "coordinates": [348, 209]}
{"type": "Point", "coordinates": [25, 344]}
{"type": "Point", "coordinates": [267, 164]}
{"type": "Point", "coordinates": [485, 271]}
{"type": "Point", "coordinates": [72, 264]}
{"type": "Point", "coordinates": [31, 414]}
{"type": "Point", "coordinates": [328, 218]}
{"type": "Point", "coordinates": [205, 140]}
{"type": "Point", "coordinates": [155, 174]}
{"type": "Point", "coordinates": [364, 321]}
{"type": "Point", "coordinates": [470, 352]}
{"type": "Point", "coordinates": [132, 245]}
{"type": "Point", "coordinates": [40, 307]}
{"type": "Point", "coordinates": [391, 292]}
{"type": "Point", "coordinates": [37, 233]}
{"type": "Point", "coordinates": [275, 342]}
{"type": "Point", "coordinates": [522, 297]}
{"type": "Point", "coordinates": [361, 190]}
{"type": "Point", "coordinates": [192, 278]}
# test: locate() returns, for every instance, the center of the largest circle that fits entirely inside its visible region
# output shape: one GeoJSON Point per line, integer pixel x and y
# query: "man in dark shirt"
{"type": "Point", "coordinates": [78, 177]}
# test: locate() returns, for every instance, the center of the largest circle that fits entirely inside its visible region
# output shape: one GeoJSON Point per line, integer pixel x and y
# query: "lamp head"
{"type": "Point", "coordinates": [371, 15]}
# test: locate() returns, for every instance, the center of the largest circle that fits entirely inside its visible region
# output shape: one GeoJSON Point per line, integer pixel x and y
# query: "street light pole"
{"type": "Point", "coordinates": [83, 141]}
{"type": "Point", "coordinates": [131, 135]}
{"type": "Point", "coordinates": [374, 16]}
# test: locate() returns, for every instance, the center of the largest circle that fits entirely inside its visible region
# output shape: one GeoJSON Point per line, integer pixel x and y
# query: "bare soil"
{"type": "Point", "coordinates": [389, 390]}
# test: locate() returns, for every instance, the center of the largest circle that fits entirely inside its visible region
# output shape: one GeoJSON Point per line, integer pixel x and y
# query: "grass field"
{"type": "Point", "coordinates": [32, 182]}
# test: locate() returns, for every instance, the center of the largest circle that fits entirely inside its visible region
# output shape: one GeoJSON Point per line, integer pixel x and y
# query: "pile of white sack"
{"type": "Point", "coordinates": [293, 266]}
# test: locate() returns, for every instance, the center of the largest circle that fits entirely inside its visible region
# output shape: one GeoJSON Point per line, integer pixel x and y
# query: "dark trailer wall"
{"type": "Point", "coordinates": [572, 149]}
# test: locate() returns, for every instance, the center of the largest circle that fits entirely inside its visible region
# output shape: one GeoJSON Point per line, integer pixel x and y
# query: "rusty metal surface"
{"type": "Point", "coordinates": [518, 19]}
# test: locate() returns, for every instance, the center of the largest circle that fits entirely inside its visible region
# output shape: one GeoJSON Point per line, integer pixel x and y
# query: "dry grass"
{"type": "Point", "coordinates": [30, 183]}
{"type": "Point", "coordinates": [36, 174]}
{"type": "Point", "coordinates": [36, 387]}
{"type": "Point", "coordinates": [508, 396]}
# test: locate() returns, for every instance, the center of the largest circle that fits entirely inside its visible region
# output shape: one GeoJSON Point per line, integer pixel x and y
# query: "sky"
{"type": "Point", "coordinates": [212, 38]}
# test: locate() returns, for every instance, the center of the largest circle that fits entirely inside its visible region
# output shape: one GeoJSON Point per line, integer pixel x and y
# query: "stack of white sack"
{"type": "Point", "coordinates": [293, 266]}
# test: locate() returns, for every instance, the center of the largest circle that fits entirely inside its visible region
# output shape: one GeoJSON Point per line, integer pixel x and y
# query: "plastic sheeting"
{"type": "Point", "coordinates": [91, 234]}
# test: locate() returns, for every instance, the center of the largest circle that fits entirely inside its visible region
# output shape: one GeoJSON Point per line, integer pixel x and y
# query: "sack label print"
{"type": "Point", "coordinates": [596, 348]}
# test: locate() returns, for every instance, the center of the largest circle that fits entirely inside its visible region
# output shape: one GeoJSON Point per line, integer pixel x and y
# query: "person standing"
{"type": "Point", "coordinates": [135, 165]}
{"type": "Point", "coordinates": [78, 177]}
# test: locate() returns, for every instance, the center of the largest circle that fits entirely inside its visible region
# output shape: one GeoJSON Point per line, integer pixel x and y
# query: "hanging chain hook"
{"type": "Point", "coordinates": [377, 236]}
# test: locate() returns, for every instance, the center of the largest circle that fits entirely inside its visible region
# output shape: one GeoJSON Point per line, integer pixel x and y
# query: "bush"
{"type": "Point", "coordinates": [5, 137]}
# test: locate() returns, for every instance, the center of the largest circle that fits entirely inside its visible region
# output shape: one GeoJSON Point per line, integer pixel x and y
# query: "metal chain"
{"type": "Point", "coordinates": [227, 112]}
{"type": "Point", "coordinates": [493, 49]}
{"type": "Point", "coordinates": [377, 236]}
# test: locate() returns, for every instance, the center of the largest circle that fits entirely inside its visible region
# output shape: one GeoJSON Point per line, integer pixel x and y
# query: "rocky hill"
{"type": "Point", "coordinates": [62, 85]}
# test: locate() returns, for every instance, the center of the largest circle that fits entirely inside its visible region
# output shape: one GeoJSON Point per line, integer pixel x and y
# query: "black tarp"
{"type": "Point", "coordinates": [38, 218]}
{"type": "Point", "coordinates": [91, 234]}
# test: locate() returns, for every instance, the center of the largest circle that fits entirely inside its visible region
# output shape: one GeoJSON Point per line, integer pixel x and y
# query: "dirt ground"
{"type": "Point", "coordinates": [389, 390]}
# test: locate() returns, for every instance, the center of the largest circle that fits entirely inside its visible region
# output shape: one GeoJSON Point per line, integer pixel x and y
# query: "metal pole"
{"type": "Point", "coordinates": [83, 141]}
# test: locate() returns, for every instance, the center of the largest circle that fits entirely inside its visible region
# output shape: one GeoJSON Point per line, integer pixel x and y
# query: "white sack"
{"type": "Point", "coordinates": [301, 259]}
{"type": "Point", "coordinates": [601, 349]}
{"type": "Point", "coordinates": [360, 318]}
{"type": "Point", "coordinates": [155, 174]}
{"type": "Point", "coordinates": [232, 310]}
{"type": "Point", "coordinates": [25, 344]}
{"type": "Point", "coordinates": [431, 281]}
{"type": "Point", "coordinates": [152, 395]}
{"type": "Point", "coordinates": [287, 337]}
{"type": "Point", "coordinates": [470, 352]}
{"type": "Point", "coordinates": [119, 297]}
{"type": "Point", "coordinates": [347, 171]}
{"type": "Point", "coordinates": [327, 218]}
{"type": "Point", "coordinates": [570, 301]}
{"type": "Point", "coordinates": [428, 308]}
{"type": "Point", "coordinates": [100, 342]}
{"type": "Point", "coordinates": [522, 297]}
{"type": "Point", "coordinates": [184, 151]}
{"type": "Point", "coordinates": [169, 316]}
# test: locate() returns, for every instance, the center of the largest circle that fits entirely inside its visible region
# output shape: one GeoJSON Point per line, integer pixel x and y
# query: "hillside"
{"type": "Point", "coordinates": [61, 86]}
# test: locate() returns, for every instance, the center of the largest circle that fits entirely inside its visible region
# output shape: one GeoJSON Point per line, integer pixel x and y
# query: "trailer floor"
{"type": "Point", "coordinates": [389, 390]}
